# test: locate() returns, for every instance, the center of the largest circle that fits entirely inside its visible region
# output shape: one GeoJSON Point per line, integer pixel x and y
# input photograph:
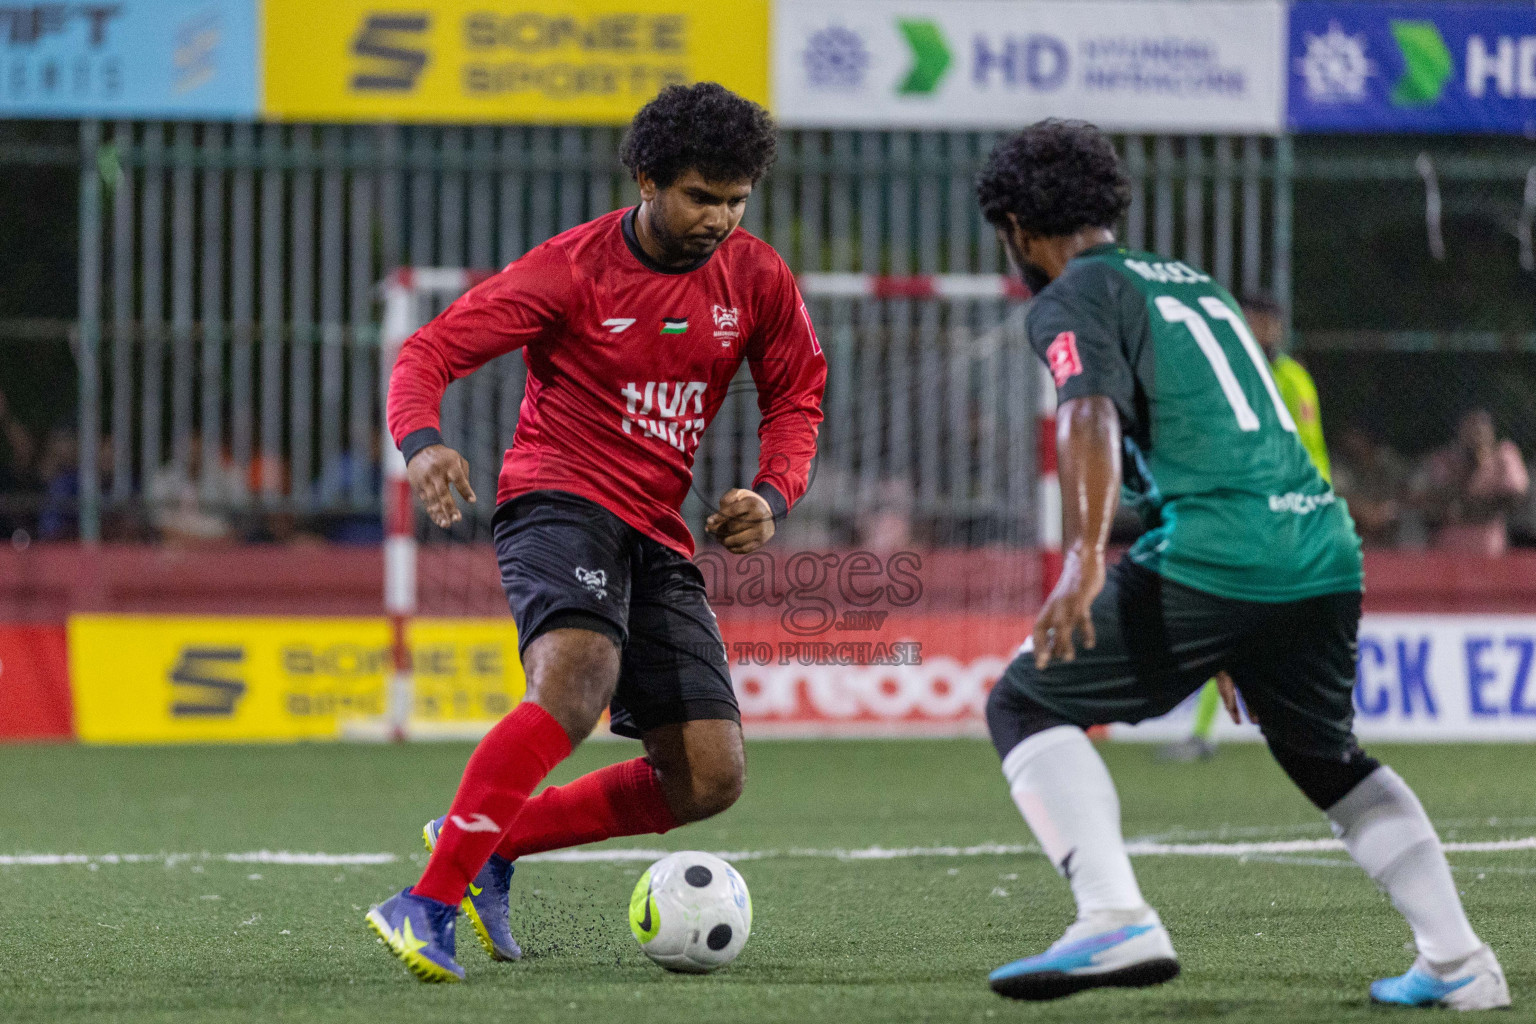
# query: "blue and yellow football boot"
{"type": "Point", "coordinates": [487, 901]}
{"type": "Point", "coordinates": [419, 931]}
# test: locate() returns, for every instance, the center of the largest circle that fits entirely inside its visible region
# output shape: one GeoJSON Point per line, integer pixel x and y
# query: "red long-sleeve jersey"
{"type": "Point", "coordinates": [628, 362]}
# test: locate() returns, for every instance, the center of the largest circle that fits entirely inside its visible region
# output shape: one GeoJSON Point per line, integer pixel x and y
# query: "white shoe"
{"type": "Point", "coordinates": [1475, 982]}
{"type": "Point", "coordinates": [1127, 949]}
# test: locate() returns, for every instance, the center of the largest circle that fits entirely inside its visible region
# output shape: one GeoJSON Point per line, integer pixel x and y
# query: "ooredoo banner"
{"type": "Point", "coordinates": [1152, 65]}
{"type": "Point", "coordinates": [540, 62]}
{"type": "Point", "coordinates": [1413, 67]}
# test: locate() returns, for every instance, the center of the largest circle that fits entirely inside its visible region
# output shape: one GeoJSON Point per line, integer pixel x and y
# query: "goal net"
{"type": "Point", "coordinates": [886, 603]}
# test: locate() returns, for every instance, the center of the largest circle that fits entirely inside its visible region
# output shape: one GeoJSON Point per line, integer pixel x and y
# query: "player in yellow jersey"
{"type": "Point", "coordinates": [1266, 319]}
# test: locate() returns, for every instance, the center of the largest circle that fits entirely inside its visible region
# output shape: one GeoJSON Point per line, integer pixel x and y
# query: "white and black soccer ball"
{"type": "Point", "coordinates": [691, 912]}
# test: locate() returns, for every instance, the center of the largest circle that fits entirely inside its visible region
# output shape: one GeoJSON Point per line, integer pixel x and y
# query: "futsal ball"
{"type": "Point", "coordinates": [691, 912]}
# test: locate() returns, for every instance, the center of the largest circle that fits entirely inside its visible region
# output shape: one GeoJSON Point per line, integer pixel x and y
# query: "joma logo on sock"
{"type": "Point", "coordinates": [476, 823]}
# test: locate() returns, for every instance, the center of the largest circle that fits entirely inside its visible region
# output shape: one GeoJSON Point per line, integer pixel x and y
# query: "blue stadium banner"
{"type": "Point", "coordinates": [1413, 67]}
{"type": "Point", "coordinates": [129, 58]}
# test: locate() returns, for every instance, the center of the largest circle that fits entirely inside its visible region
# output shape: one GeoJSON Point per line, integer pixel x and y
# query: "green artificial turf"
{"type": "Point", "coordinates": [202, 939]}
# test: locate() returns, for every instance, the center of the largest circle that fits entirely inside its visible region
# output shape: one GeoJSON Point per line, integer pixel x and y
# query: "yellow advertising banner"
{"type": "Point", "coordinates": [538, 61]}
{"type": "Point", "coordinates": [168, 679]}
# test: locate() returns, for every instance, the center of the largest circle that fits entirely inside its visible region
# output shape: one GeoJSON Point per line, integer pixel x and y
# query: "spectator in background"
{"type": "Point", "coordinates": [17, 450]}
{"type": "Point", "coordinates": [1266, 319]}
{"type": "Point", "coordinates": [58, 467]}
{"type": "Point", "coordinates": [177, 507]}
{"type": "Point", "coordinates": [1522, 525]}
{"type": "Point", "coordinates": [1468, 489]}
{"type": "Point", "coordinates": [337, 485]}
{"type": "Point", "coordinates": [1374, 480]}
{"type": "Point", "coordinates": [17, 447]}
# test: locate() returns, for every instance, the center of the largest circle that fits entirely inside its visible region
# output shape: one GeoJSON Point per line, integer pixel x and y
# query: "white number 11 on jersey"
{"type": "Point", "coordinates": [1175, 312]}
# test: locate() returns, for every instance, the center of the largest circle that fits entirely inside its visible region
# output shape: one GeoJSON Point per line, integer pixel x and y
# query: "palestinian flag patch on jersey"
{"type": "Point", "coordinates": [674, 325]}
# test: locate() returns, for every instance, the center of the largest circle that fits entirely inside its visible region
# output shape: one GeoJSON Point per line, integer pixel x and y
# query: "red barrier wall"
{"type": "Point", "coordinates": [951, 601]}
{"type": "Point", "coordinates": [45, 583]}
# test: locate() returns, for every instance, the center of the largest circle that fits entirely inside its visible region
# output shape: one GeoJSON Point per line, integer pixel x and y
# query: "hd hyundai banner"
{"type": "Point", "coordinates": [1199, 66]}
{"type": "Point", "coordinates": [1420, 67]}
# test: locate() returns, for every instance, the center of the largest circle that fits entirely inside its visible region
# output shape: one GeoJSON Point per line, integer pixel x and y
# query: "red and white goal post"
{"type": "Point", "coordinates": [411, 295]}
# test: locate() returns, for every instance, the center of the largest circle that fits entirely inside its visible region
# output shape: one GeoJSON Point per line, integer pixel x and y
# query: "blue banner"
{"type": "Point", "coordinates": [1412, 67]}
{"type": "Point", "coordinates": [129, 58]}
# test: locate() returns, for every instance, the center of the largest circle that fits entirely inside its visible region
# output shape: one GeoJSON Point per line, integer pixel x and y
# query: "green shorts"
{"type": "Point", "coordinates": [1159, 641]}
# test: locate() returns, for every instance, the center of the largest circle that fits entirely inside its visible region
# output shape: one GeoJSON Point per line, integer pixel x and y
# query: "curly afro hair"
{"type": "Point", "coordinates": [705, 127]}
{"type": "Point", "coordinates": [1056, 177]}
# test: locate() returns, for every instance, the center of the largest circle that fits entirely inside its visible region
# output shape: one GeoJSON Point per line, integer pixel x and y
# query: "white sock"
{"type": "Point", "coordinates": [1386, 831]}
{"type": "Point", "coordinates": [1069, 801]}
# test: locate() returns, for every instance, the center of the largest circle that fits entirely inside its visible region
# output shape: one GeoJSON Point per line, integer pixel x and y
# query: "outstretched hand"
{"type": "Point", "coordinates": [743, 523]}
{"type": "Point", "coordinates": [433, 471]}
{"type": "Point", "coordinates": [1069, 608]}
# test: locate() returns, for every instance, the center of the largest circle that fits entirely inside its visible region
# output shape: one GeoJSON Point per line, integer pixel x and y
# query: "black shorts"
{"type": "Point", "coordinates": [1159, 641]}
{"type": "Point", "coordinates": [567, 561]}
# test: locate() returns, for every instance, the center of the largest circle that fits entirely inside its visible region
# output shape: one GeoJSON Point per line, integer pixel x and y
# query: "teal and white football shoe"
{"type": "Point", "coordinates": [1475, 983]}
{"type": "Point", "coordinates": [1123, 949]}
{"type": "Point", "coordinates": [487, 901]}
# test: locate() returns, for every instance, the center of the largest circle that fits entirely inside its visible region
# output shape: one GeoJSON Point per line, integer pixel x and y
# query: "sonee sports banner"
{"type": "Point", "coordinates": [537, 62]}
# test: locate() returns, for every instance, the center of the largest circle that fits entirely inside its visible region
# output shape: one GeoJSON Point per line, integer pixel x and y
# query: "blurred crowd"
{"type": "Point", "coordinates": [190, 500]}
{"type": "Point", "coordinates": [1471, 496]}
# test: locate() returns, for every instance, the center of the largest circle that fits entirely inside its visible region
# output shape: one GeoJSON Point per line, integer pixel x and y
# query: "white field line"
{"type": "Point", "coordinates": [319, 860]}
{"type": "Point", "coordinates": [1136, 848]}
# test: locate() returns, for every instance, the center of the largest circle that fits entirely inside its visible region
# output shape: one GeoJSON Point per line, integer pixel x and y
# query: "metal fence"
{"type": "Point", "coordinates": [227, 323]}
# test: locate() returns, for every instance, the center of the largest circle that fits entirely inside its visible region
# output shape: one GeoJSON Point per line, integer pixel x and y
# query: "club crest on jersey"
{"type": "Point", "coordinates": [674, 325]}
{"type": "Point", "coordinates": [1063, 359]}
{"type": "Point", "coordinates": [727, 324]}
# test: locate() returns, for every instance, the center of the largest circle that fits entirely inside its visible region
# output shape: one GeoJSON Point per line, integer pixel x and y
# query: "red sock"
{"type": "Point", "coordinates": [514, 757]}
{"type": "Point", "coordinates": [620, 800]}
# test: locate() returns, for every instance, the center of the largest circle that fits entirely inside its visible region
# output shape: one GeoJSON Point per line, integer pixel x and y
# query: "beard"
{"type": "Point", "coordinates": [679, 247]}
{"type": "Point", "coordinates": [1035, 279]}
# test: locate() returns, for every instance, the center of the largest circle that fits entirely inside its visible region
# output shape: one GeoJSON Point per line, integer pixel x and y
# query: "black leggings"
{"type": "Point", "coordinates": [1013, 717]}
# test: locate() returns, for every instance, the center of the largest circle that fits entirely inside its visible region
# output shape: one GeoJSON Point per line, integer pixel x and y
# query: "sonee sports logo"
{"type": "Point", "coordinates": [206, 682]}
{"type": "Point", "coordinates": [391, 64]}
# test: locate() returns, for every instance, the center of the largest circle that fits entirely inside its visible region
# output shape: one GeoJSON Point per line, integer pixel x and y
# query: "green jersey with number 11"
{"type": "Point", "coordinates": [1234, 507]}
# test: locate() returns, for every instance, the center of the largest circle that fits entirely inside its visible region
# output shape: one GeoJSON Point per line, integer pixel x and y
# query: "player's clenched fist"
{"type": "Point", "coordinates": [432, 472]}
{"type": "Point", "coordinates": [743, 523]}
